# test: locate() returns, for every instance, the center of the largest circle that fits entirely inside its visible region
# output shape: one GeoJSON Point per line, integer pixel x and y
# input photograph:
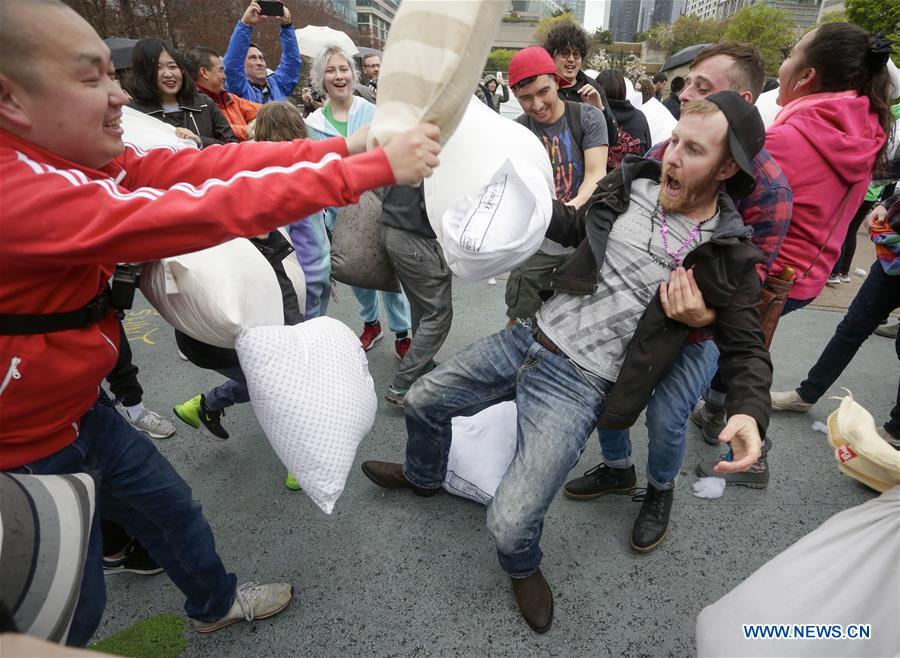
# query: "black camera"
{"type": "Point", "coordinates": [125, 281]}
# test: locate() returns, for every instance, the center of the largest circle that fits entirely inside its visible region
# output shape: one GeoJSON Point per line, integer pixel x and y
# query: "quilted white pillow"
{"type": "Point", "coordinates": [483, 447]}
{"type": "Point", "coordinates": [314, 398]}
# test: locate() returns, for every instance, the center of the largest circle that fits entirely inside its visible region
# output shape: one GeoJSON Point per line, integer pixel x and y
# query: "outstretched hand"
{"type": "Point", "coordinates": [746, 444]}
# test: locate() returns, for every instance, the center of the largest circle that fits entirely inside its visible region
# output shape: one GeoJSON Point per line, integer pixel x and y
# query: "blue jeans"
{"type": "Point", "coordinates": [139, 490]}
{"type": "Point", "coordinates": [558, 405]}
{"type": "Point", "coordinates": [668, 410]}
{"type": "Point", "coordinates": [877, 297]}
{"type": "Point", "coordinates": [233, 391]}
{"type": "Point", "coordinates": [395, 302]}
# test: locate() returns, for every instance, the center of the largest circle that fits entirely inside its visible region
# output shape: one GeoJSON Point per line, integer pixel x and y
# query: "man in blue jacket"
{"type": "Point", "coordinates": [245, 64]}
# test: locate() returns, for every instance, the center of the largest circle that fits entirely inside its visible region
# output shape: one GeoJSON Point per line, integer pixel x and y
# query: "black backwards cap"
{"type": "Point", "coordinates": [746, 137]}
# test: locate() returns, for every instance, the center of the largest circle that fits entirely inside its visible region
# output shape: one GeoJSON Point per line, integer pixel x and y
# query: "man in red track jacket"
{"type": "Point", "coordinates": [73, 202]}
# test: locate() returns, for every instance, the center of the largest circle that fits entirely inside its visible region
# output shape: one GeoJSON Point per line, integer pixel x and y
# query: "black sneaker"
{"type": "Point", "coordinates": [212, 420]}
{"type": "Point", "coordinates": [652, 522]}
{"type": "Point", "coordinates": [135, 560]}
{"type": "Point", "coordinates": [755, 478]}
{"type": "Point", "coordinates": [601, 480]}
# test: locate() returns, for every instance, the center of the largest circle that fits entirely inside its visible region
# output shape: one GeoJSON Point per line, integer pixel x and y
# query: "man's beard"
{"type": "Point", "coordinates": [692, 194]}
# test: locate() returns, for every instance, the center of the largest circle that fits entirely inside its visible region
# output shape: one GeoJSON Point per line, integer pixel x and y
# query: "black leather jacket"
{"type": "Point", "coordinates": [200, 116]}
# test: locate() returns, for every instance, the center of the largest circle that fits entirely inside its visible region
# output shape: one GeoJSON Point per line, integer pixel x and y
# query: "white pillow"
{"type": "Point", "coordinates": [483, 447]}
{"type": "Point", "coordinates": [845, 571]}
{"type": "Point", "coordinates": [147, 132]}
{"type": "Point", "coordinates": [660, 119]}
{"type": "Point", "coordinates": [314, 398]}
{"type": "Point", "coordinates": [499, 228]}
{"type": "Point", "coordinates": [483, 141]}
{"type": "Point", "coordinates": [213, 294]}
{"type": "Point", "coordinates": [768, 106]}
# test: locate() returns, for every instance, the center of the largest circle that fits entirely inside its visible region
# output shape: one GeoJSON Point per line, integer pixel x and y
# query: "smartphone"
{"type": "Point", "coordinates": [270, 8]}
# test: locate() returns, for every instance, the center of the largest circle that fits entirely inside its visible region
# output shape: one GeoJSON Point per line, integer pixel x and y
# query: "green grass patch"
{"type": "Point", "coordinates": [160, 636]}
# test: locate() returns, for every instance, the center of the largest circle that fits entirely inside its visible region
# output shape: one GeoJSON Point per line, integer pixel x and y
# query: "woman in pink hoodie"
{"type": "Point", "coordinates": [833, 126]}
{"type": "Point", "coordinates": [830, 132]}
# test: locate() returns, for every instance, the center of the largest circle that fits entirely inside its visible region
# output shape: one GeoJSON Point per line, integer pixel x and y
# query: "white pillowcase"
{"type": "Point", "coordinates": [483, 447]}
{"type": "Point", "coordinates": [499, 228]}
{"type": "Point", "coordinates": [483, 141]}
{"type": "Point", "coordinates": [314, 398]}
{"type": "Point", "coordinates": [213, 294]}
{"type": "Point", "coordinates": [661, 121]}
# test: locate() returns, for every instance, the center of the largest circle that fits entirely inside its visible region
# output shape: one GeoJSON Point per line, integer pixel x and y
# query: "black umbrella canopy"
{"type": "Point", "coordinates": [363, 51]}
{"type": "Point", "coordinates": [121, 49]}
{"type": "Point", "coordinates": [683, 56]}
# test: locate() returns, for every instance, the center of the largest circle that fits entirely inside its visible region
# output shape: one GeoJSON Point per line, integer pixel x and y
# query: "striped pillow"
{"type": "Point", "coordinates": [45, 525]}
{"type": "Point", "coordinates": [433, 59]}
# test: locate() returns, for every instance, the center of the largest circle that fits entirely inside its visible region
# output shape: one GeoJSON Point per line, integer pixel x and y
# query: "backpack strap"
{"type": "Point", "coordinates": [573, 117]}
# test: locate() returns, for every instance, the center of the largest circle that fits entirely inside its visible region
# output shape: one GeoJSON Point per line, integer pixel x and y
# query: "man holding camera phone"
{"type": "Point", "coordinates": [245, 64]}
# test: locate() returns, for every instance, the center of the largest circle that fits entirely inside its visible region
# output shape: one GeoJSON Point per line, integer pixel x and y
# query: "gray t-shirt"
{"type": "Point", "coordinates": [566, 158]}
{"type": "Point", "coordinates": [595, 330]}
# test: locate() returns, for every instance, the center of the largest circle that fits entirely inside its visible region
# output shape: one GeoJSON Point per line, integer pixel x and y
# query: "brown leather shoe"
{"type": "Point", "coordinates": [390, 476]}
{"type": "Point", "coordinates": [535, 601]}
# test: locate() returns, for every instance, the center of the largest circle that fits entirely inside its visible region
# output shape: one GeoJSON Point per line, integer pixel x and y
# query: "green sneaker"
{"type": "Point", "coordinates": [196, 413]}
{"type": "Point", "coordinates": [189, 411]}
{"type": "Point", "coordinates": [291, 482]}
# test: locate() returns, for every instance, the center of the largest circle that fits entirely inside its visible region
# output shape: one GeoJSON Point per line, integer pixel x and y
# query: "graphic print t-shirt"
{"type": "Point", "coordinates": [566, 157]}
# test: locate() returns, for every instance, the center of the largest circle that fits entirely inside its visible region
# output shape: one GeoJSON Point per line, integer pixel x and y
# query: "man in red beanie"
{"type": "Point", "coordinates": [576, 140]}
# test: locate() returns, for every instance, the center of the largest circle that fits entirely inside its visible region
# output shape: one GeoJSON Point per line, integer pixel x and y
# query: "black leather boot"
{"type": "Point", "coordinates": [652, 521]}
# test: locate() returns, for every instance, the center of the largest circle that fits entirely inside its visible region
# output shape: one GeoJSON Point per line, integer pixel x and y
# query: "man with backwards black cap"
{"type": "Point", "coordinates": [652, 236]}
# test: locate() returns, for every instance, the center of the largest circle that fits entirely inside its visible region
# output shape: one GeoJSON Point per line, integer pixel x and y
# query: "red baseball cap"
{"type": "Point", "coordinates": [530, 62]}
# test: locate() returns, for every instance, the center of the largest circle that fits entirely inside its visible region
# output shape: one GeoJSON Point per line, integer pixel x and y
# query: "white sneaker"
{"type": "Point", "coordinates": [845, 278]}
{"type": "Point", "coordinates": [152, 424]}
{"type": "Point", "coordinates": [789, 401]}
{"type": "Point", "coordinates": [251, 601]}
{"type": "Point", "coordinates": [833, 281]}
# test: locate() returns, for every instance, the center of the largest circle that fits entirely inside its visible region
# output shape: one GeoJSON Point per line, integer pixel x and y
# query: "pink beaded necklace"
{"type": "Point", "coordinates": [664, 230]}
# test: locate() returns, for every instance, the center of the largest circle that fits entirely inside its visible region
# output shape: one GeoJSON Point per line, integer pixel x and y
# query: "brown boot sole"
{"type": "Point", "coordinates": [574, 496]}
{"type": "Point", "coordinates": [647, 549]}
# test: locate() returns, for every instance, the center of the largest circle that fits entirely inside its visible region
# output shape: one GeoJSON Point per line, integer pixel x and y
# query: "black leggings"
{"type": "Point", "coordinates": [842, 266]}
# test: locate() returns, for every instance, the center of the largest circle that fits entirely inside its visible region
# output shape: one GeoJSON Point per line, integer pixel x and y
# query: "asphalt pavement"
{"type": "Point", "coordinates": [391, 574]}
